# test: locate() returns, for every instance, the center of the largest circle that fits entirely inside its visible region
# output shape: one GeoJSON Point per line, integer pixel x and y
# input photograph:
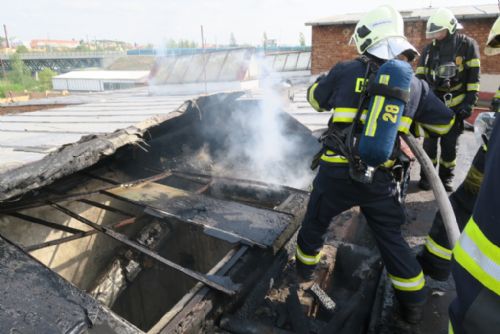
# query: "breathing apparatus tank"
{"type": "Point", "coordinates": [389, 94]}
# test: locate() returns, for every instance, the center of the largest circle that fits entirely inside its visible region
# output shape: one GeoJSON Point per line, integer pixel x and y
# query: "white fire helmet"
{"type": "Point", "coordinates": [493, 43]}
{"type": "Point", "coordinates": [442, 19]}
{"type": "Point", "coordinates": [381, 33]}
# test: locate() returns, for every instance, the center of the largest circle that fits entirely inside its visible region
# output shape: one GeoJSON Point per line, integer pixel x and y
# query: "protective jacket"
{"type": "Point", "coordinates": [341, 89]}
{"type": "Point", "coordinates": [476, 264]}
{"type": "Point", "coordinates": [462, 51]}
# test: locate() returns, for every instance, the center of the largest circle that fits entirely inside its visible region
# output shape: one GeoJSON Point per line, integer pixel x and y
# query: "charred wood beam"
{"type": "Point", "coordinates": [223, 284]}
{"type": "Point", "coordinates": [225, 235]}
{"type": "Point", "coordinates": [198, 292]}
{"type": "Point", "coordinates": [232, 179]}
{"type": "Point", "coordinates": [300, 322]}
{"type": "Point", "coordinates": [13, 207]}
{"type": "Point", "coordinates": [100, 178]}
{"type": "Point", "coordinates": [39, 221]}
{"type": "Point", "coordinates": [352, 316]}
{"type": "Point", "coordinates": [106, 207]}
{"type": "Point", "coordinates": [75, 236]}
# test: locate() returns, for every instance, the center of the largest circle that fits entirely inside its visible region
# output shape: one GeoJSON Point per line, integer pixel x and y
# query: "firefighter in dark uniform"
{"type": "Point", "coordinates": [451, 66]}
{"type": "Point", "coordinates": [476, 256]}
{"type": "Point", "coordinates": [436, 255]}
{"type": "Point", "coordinates": [379, 36]}
{"type": "Point", "coordinates": [435, 258]}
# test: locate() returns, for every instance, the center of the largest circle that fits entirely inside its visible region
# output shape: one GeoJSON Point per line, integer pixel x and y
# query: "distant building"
{"type": "Point", "coordinates": [331, 35]}
{"type": "Point", "coordinates": [97, 81]}
{"type": "Point", "coordinates": [53, 43]}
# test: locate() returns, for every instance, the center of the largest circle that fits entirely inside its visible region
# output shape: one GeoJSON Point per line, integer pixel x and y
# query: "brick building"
{"type": "Point", "coordinates": [331, 35]}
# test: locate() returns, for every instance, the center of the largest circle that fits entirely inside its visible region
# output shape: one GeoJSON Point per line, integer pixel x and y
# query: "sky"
{"type": "Point", "coordinates": [156, 21]}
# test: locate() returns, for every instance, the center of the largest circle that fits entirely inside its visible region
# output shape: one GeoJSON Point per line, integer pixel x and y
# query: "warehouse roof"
{"type": "Point", "coordinates": [461, 12]}
{"type": "Point", "coordinates": [92, 126]}
{"type": "Point", "coordinates": [105, 75]}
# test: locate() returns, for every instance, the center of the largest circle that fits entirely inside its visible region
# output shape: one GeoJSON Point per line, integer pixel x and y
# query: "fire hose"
{"type": "Point", "coordinates": [445, 208]}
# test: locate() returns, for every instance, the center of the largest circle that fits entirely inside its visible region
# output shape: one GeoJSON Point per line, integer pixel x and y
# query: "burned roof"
{"type": "Point", "coordinates": [42, 146]}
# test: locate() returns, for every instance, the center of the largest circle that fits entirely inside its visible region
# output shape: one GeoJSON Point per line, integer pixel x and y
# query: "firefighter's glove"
{"type": "Point", "coordinates": [464, 113]}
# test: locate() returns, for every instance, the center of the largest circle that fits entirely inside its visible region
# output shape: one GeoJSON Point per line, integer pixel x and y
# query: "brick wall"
{"type": "Point", "coordinates": [330, 43]}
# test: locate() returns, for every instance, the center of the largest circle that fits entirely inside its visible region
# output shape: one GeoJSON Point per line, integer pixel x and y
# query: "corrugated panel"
{"type": "Point", "coordinates": [228, 65]}
{"type": "Point", "coordinates": [290, 61]}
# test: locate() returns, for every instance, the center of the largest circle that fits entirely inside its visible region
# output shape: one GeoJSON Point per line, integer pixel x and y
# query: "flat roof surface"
{"type": "Point", "coordinates": [100, 123]}
{"type": "Point", "coordinates": [104, 75]}
{"type": "Point", "coordinates": [461, 12]}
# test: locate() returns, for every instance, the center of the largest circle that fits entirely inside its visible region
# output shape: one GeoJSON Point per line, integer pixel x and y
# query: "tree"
{"type": "Point", "coordinates": [232, 40]}
{"type": "Point", "coordinates": [45, 77]}
{"type": "Point", "coordinates": [20, 72]}
{"type": "Point", "coordinates": [171, 44]}
{"type": "Point", "coordinates": [22, 49]}
{"type": "Point", "coordinates": [302, 40]}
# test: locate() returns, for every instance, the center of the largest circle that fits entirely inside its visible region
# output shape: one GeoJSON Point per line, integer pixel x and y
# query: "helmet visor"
{"type": "Point", "coordinates": [392, 47]}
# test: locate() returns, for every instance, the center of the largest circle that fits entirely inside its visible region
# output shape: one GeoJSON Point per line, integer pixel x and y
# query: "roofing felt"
{"type": "Point", "coordinates": [461, 12]}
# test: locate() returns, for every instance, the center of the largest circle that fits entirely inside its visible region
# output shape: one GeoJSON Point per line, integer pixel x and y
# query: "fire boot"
{"type": "Point", "coordinates": [412, 313]}
{"type": "Point", "coordinates": [424, 183]}
{"type": "Point", "coordinates": [434, 267]}
{"type": "Point", "coordinates": [305, 275]}
{"type": "Point", "coordinates": [446, 176]}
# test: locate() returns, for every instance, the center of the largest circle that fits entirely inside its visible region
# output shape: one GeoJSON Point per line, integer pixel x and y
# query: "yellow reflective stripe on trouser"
{"type": "Point", "coordinates": [312, 100]}
{"type": "Point", "coordinates": [456, 100]}
{"type": "Point", "coordinates": [479, 256]}
{"type": "Point", "coordinates": [347, 115]}
{"type": "Point", "coordinates": [450, 328]}
{"type": "Point", "coordinates": [473, 87]}
{"type": "Point", "coordinates": [439, 129]}
{"type": "Point", "coordinates": [405, 124]}
{"type": "Point", "coordinates": [448, 164]}
{"type": "Point", "coordinates": [474, 62]}
{"type": "Point", "coordinates": [307, 259]}
{"type": "Point", "coordinates": [420, 131]}
{"type": "Point", "coordinates": [437, 250]}
{"type": "Point", "coordinates": [408, 284]}
{"type": "Point", "coordinates": [330, 156]}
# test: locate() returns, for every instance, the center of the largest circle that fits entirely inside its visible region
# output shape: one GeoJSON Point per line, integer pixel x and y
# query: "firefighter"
{"type": "Point", "coordinates": [450, 64]}
{"type": "Point", "coordinates": [341, 182]}
{"type": "Point", "coordinates": [476, 256]}
{"type": "Point", "coordinates": [436, 255]}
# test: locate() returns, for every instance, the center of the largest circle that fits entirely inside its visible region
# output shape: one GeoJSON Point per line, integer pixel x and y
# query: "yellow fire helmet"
{"type": "Point", "coordinates": [381, 33]}
{"type": "Point", "coordinates": [442, 19]}
{"type": "Point", "coordinates": [493, 44]}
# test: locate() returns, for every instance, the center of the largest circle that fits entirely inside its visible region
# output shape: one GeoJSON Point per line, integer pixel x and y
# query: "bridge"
{"type": "Point", "coordinates": [61, 61]}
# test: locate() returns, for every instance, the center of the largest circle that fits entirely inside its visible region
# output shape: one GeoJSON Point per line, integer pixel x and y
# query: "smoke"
{"type": "Point", "coordinates": [264, 143]}
{"type": "Point", "coordinates": [252, 139]}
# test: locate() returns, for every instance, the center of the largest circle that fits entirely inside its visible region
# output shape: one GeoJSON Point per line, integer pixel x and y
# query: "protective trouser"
{"type": "Point", "coordinates": [333, 193]}
{"type": "Point", "coordinates": [448, 142]}
{"type": "Point", "coordinates": [437, 253]}
{"type": "Point", "coordinates": [476, 309]}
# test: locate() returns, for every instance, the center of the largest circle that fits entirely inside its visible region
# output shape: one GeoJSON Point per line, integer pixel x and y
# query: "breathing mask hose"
{"type": "Point", "coordinates": [445, 208]}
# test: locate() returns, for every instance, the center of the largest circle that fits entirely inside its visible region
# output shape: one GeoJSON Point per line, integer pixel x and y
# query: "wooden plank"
{"type": "Point", "coordinates": [220, 218]}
